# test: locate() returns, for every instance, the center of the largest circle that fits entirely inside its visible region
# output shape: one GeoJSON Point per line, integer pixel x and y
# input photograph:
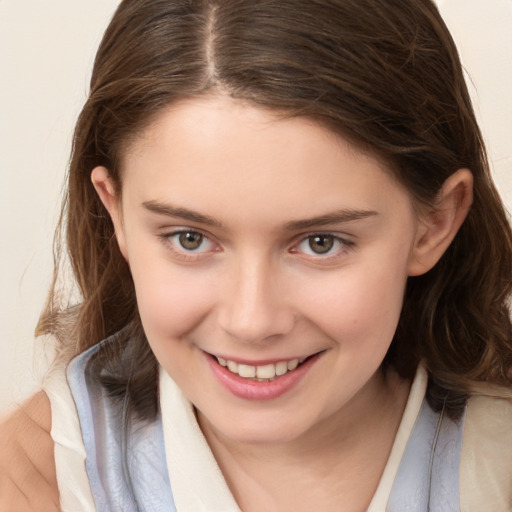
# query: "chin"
{"type": "Point", "coordinates": [263, 430]}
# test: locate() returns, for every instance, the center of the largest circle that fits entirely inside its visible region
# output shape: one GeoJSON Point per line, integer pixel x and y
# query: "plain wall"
{"type": "Point", "coordinates": [46, 53]}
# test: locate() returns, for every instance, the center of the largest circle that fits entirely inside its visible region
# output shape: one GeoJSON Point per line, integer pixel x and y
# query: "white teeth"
{"type": "Point", "coordinates": [281, 368]}
{"type": "Point", "coordinates": [293, 364]}
{"type": "Point", "coordinates": [263, 372]}
{"type": "Point", "coordinates": [244, 370]}
{"type": "Point", "coordinates": [232, 366]}
{"type": "Point", "coordinates": [267, 371]}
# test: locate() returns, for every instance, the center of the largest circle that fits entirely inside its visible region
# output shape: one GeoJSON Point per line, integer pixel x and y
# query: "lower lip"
{"type": "Point", "coordinates": [255, 390]}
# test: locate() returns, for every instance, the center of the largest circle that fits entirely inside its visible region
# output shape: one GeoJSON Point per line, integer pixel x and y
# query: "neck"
{"type": "Point", "coordinates": [339, 461]}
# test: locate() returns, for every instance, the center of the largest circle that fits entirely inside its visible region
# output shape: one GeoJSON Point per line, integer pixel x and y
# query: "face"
{"type": "Point", "coordinates": [268, 245]}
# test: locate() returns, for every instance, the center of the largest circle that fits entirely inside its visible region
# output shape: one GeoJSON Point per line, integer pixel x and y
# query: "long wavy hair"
{"type": "Point", "coordinates": [383, 73]}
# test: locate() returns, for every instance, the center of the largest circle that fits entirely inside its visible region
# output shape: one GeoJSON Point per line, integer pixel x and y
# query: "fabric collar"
{"type": "Point", "coordinates": [196, 479]}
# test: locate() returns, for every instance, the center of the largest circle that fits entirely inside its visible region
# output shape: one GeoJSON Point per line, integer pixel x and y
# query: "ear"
{"type": "Point", "coordinates": [438, 226]}
{"type": "Point", "coordinates": [106, 191]}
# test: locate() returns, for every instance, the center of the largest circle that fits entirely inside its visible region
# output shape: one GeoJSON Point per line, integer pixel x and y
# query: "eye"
{"type": "Point", "coordinates": [322, 244]}
{"type": "Point", "coordinates": [188, 241]}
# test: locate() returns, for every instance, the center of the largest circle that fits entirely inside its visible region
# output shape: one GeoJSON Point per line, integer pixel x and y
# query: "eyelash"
{"type": "Point", "coordinates": [341, 245]}
{"type": "Point", "coordinates": [173, 242]}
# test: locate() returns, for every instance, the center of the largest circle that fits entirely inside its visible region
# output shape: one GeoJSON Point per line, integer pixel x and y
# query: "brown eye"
{"type": "Point", "coordinates": [321, 244]}
{"type": "Point", "coordinates": [190, 240]}
{"type": "Point", "coordinates": [323, 247]}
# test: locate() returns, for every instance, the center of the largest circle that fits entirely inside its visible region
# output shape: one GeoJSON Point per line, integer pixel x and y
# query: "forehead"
{"type": "Point", "coordinates": [216, 150]}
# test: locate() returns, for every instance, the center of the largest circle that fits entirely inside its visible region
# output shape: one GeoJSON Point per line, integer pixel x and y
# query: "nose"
{"type": "Point", "coordinates": [255, 307]}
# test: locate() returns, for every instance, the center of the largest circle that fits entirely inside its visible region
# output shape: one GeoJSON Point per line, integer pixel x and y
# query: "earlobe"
{"type": "Point", "coordinates": [440, 224]}
{"type": "Point", "coordinates": [106, 191]}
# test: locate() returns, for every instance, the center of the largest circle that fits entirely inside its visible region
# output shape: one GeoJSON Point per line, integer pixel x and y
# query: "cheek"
{"type": "Point", "coordinates": [360, 307]}
{"type": "Point", "coordinates": [171, 300]}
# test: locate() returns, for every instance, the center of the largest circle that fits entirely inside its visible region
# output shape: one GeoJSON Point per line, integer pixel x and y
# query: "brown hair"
{"type": "Point", "coordinates": [384, 73]}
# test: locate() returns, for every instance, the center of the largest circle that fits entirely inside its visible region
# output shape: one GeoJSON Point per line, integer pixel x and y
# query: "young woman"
{"type": "Point", "coordinates": [282, 224]}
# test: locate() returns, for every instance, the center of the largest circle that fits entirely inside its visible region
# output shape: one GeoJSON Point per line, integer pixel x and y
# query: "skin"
{"type": "Point", "coordinates": [27, 466]}
{"type": "Point", "coordinates": [252, 191]}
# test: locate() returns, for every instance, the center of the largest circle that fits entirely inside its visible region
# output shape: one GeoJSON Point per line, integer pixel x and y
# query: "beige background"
{"type": "Point", "coordinates": [46, 52]}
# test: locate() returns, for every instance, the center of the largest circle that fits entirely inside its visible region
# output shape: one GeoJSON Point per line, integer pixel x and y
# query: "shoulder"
{"type": "Point", "coordinates": [486, 463]}
{"type": "Point", "coordinates": [29, 427]}
{"type": "Point", "coordinates": [488, 424]}
{"type": "Point", "coordinates": [27, 465]}
{"type": "Point", "coordinates": [69, 451]}
{"type": "Point", "coordinates": [491, 412]}
{"type": "Point", "coordinates": [30, 423]}
{"type": "Point", "coordinates": [36, 411]}
{"type": "Point", "coordinates": [488, 427]}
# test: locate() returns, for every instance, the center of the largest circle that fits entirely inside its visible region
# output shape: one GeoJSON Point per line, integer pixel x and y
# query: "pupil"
{"type": "Point", "coordinates": [321, 243]}
{"type": "Point", "coordinates": [190, 241]}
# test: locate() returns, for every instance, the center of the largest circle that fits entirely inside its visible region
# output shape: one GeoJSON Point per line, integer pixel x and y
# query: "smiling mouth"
{"type": "Point", "coordinates": [262, 373]}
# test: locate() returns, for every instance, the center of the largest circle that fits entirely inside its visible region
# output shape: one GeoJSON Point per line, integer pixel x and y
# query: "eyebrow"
{"type": "Point", "coordinates": [339, 216]}
{"type": "Point", "coordinates": [182, 213]}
